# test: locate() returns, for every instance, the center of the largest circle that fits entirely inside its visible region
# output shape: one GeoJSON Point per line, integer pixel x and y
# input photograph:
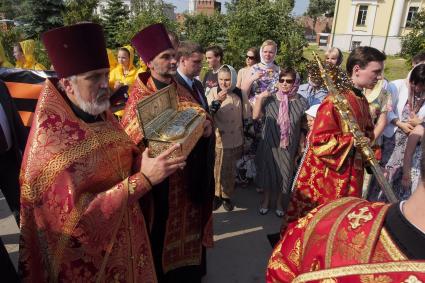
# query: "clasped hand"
{"type": "Point", "coordinates": [158, 168]}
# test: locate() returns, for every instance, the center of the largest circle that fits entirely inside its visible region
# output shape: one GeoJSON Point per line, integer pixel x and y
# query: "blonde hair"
{"type": "Point", "coordinates": [269, 42]}
{"type": "Point", "coordinates": [336, 51]}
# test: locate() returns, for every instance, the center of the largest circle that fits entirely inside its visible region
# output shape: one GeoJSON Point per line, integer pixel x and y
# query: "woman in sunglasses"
{"type": "Point", "coordinates": [252, 57]}
{"type": "Point", "coordinates": [283, 112]}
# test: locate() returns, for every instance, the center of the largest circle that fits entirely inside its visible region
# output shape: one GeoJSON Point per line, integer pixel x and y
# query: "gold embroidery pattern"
{"type": "Point", "coordinates": [320, 214]}
{"type": "Point", "coordinates": [331, 240]}
{"type": "Point", "coordinates": [375, 279]}
{"type": "Point", "coordinates": [348, 248]}
{"type": "Point", "coordinates": [363, 215]}
{"type": "Point", "coordinates": [278, 264]}
{"type": "Point", "coordinates": [68, 228]}
{"type": "Point", "coordinates": [412, 279]}
{"type": "Point", "coordinates": [390, 247]}
{"type": "Point", "coordinates": [294, 255]}
{"type": "Point", "coordinates": [362, 269]}
{"type": "Point", "coordinates": [57, 164]}
{"type": "Point", "coordinates": [373, 235]}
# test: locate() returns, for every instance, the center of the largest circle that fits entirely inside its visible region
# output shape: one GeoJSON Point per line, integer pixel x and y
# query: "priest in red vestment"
{"type": "Point", "coordinates": [353, 240]}
{"type": "Point", "coordinates": [81, 175]}
{"type": "Point", "coordinates": [182, 204]}
{"type": "Point", "coordinates": [333, 167]}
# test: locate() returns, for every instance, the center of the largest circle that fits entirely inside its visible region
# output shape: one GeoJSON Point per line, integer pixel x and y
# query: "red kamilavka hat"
{"type": "Point", "coordinates": [151, 41]}
{"type": "Point", "coordinates": [76, 49]}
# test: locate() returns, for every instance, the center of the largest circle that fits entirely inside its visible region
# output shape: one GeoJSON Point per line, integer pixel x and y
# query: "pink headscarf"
{"type": "Point", "coordinates": [283, 117]}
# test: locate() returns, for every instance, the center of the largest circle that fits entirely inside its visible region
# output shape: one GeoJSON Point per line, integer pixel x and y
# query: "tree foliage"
{"type": "Point", "coordinates": [80, 10]}
{"type": "Point", "coordinates": [41, 15]}
{"type": "Point", "coordinates": [414, 42]}
{"type": "Point", "coordinates": [150, 12]}
{"type": "Point", "coordinates": [205, 30]}
{"type": "Point", "coordinates": [115, 17]}
{"type": "Point", "coordinates": [317, 8]}
{"type": "Point", "coordinates": [250, 22]}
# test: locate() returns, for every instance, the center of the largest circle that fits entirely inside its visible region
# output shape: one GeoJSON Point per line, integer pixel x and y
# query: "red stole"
{"type": "Point", "coordinates": [343, 241]}
{"type": "Point", "coordinates": [186, 228]}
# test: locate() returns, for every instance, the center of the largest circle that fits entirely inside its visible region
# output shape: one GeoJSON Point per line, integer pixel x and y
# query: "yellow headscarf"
{"type": "Point", "coordinates": [111, 58]}
{"type": "Point", "coordinates": [117, 74]}
{"type": "Point", "coordinates": [143, 67]}
{"type": "Point", "coordinates": [28, 48]}
{"type": "Point", "coordinates": [3, 60]}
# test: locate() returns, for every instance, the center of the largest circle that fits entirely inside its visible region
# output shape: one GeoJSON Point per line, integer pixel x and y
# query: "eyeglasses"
{"type": "Point", "coordinates": [290, 81]}
{"type": "Point", "coordinates": [250, 57]}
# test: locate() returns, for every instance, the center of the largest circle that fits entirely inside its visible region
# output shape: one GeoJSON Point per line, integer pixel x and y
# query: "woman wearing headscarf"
{"type": "Point", "coordinates": [408, 111]}
{"type": "Point", "coordinates": [227, 106]}
{"type": "Point", "coordinates": [125, 72]}
{"type": "Point", "coordinates": [3, 60]}
{"type": "Point", "coordinates": [260, 77]}
{"type": "Point", "coordinates": [283, 112]}
{"type": "Point", "coordinates": [24, 55]}
{"type": "Point", "coordinates": [112, 60]}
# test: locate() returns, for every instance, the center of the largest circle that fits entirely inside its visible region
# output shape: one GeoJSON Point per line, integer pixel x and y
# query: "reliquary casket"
{"type": "Point", "coordinates": [163, 125]}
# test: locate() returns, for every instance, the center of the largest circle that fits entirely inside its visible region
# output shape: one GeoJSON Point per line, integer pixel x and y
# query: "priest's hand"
{"type": "Point", "coordinates": [207, 129]}
{"type": "Point", "coordinates": [158, 168]}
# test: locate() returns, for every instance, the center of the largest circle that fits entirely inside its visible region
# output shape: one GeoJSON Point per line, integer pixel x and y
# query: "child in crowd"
{"type": "Point", "coordinates": [334, 56]}
{"type": "Point", "coordinates": [228, 109]}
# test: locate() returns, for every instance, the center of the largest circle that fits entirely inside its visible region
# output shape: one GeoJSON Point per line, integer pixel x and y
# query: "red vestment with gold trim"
{"type": "Point", "coordinates": [343, 241]}
{"type": "Point", "coordinates": [80, 185]}
{"type": "Point", "coordinates": [188, 224]}
{"type": "Point", "coordinates": [332, 167]}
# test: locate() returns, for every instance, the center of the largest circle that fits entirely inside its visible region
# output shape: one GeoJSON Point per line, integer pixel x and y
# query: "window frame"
{"type": "Point", "coordinates": [363, 16]}
{"type": "Point", "coordinates": [407, 23]}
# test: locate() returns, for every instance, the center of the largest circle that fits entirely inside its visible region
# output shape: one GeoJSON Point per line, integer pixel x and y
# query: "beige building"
{"type": "Point", "coordinates": [377, 23]}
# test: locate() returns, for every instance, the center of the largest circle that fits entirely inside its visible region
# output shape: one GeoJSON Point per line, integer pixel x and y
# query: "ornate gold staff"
{"type": "Point", "coordinates": [342, 105]}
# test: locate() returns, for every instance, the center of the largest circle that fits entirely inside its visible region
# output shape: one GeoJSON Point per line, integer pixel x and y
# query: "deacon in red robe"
{"type": "Point", "coordinates": [81, 176]}
{"type": "Point", "coordinates": [333, 166]}
{"type": "Point", "coordinates": [352, 240]}
{"type": "Point", "coordinates": [182, 213]}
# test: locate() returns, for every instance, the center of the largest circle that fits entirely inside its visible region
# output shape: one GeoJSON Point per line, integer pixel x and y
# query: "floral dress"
{"type": "Point", "coordinates": [268, 81]}
{"type": "Point", "coordinates": [392, 161]}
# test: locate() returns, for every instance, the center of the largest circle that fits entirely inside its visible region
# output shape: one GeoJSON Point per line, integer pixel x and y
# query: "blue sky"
{"type": "Point", "coordinates": [182, 5]}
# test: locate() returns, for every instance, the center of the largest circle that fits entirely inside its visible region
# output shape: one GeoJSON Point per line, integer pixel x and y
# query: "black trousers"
{"type": "Point", "coordinates": [7, 270]}
{"type": "Point", "coordinates": [9, 180]}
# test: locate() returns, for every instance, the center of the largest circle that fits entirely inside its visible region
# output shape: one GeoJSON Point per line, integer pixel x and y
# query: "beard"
{"type": "Point", "coordinates": [100, 105]}
{"type": "Point", "coordinates": [166, 72]}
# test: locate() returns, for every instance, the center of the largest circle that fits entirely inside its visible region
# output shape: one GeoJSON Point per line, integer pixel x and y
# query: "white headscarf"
{"type": "Point", "coordinates": [271, 64]}
{"type": "Point", "coordinates": [233, 76]}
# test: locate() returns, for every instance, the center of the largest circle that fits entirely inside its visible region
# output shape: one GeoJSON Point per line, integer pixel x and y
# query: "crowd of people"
{"type": "Point", "coordinates": [93, 205]}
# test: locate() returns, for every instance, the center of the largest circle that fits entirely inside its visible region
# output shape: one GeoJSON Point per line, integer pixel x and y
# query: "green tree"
{"type": "Point", "coordinates": [206, 30]}
{"type": "Point", "coordinates": [414, 42]}
{"type": "Point", "coordinates": [115, 17]}
{"type": "Point", "coordinates": [8, 39]}
{"type": "Point", "coordinates": [317, 8]}
{"type": "Point", "coordinates": [80, 10]}
{"type": "Point", "coordinates": [250, 22]}
{"type": "Point", "coordinates": [150, 13]}
{"type": "Point", "coordinates": [9, 8]}
{"type": "Point", "coordinates": [41, 15]}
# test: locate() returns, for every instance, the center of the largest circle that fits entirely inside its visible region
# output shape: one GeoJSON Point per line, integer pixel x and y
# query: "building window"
{"type": "Point", "coordinates": [411, 14]}
{"type": "Point", "coordinates": [355, 44]}
{"type": "Point", "coordinates": [361, 16]}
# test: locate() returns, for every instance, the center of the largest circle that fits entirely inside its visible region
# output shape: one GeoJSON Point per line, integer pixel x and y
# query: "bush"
{"type": "Point", "coordinates": [414, 42]}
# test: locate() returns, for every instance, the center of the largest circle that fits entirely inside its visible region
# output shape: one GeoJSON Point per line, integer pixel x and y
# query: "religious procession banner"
{"type": "Point", "coordinates": [25, 87]}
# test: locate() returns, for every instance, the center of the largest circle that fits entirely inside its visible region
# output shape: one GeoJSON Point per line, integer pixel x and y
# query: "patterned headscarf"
{"type": "Point", "coordinates": [283, 117]}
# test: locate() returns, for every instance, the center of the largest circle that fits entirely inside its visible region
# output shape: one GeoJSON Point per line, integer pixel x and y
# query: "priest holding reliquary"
{"type": "Point", "coordinates": [162, 110]}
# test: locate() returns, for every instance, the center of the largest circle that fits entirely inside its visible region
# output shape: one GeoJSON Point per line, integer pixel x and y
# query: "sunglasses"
{"type": "Point", "coordinates": [250, 57]}
{"type": "Point", "coordinates": [290, 81]}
